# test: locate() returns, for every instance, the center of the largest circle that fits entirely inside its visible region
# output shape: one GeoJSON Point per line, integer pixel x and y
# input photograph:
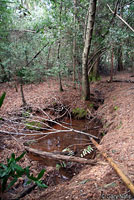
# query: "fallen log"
{"type": "Point", "coordinates": [121, 81]}
{"type": "Point", "coordinates": [124, 178]}
{"type": "Point", "coordinates": [60, 157]}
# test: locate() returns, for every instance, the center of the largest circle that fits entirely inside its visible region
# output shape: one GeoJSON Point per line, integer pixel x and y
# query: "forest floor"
{"type": "Point", "coordinates": [117, 115]}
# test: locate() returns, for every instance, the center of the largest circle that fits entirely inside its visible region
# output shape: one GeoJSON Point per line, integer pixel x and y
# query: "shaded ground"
{"type": "Point", "coordinates": [117, 114]}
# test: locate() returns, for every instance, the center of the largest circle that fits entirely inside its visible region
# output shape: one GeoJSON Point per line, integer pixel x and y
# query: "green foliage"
{"type": "Point", "coordinates": [86, 151]}
{"type": "Point", "coordinates": [2, 98]}
{"type": "Point", "coordinates": [116, 108]}
{"type": "Point", "coordinates": [93, 78]}
{"type": "Point", "coordinates": [61, 165]}
{"type": "Point", "coordinates": [69, 151]}
{"type": "Point", "coordinates": [91, 105]}
{"type": "Point", "coordinates": [25, 27]}
{"type": "Point", "coordinates": [26, 114]}
{"type": "Point", "coordinates": [79, 113]}
{"type": "Point", "coordinates": [33, 125]}
{"type": "Point", "coordinates": [12, 171]}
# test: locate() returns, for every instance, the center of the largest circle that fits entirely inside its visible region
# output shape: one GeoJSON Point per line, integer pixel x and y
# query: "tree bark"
{"type": "Point", "coordinates": [112, 65]}
{"type": "Point", "coordinates": [87, 45]}
{"type": "Point", "coordinates": [74, 46]}
{"type": "Point", "coordinates": [58, 54]}
{"type": "Point", "coordinates": [22, 95]}
{"type": "Point", "coordinates": [4, 75]}
{"type": "Point", "coordinates": [120, 63]}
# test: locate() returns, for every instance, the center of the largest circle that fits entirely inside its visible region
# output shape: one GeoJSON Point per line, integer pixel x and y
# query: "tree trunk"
{"type": "Point", "coordinates": [4, 75]}
{"type": "Point", "coordinates": [48, 56]}
{"type": "Point", "coordinates": [74, 46]}
{"type": "Point", "coordinates": [58, 54]}
{"type": "Point", "coordinates": [87, 45]}
{"type": "Point", "coordinates": [96, 68]}
{"type": "Point", "coordinates": [22, 95]}
{"type": "Point", "coordinates": [112, 65]}
{"type": "Point", "coordinates": [120, 63]}
{"type": "Point", "coordinates": [60, 83]}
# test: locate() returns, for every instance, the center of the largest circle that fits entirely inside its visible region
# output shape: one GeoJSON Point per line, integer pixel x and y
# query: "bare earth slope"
{"type": "Point", "coordinates": [117, 114]}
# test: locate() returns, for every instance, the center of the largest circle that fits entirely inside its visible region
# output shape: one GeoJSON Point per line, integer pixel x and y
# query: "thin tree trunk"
{"type": "Point", "coordinates": [74, 46]}
{"type": "Point", "coordinates": [120, 63]}
{"type": "Point", "coordinates": [58, 54]}
{"type": "Point", "coordinates": [22, 95]}
{"type": "Point", "coordinates": [4, 77]}
{"type": "Point", "coordinates": [87, 45]}
{"type": "Point", "coordinates": [60, 83]}
{"type": "Point", "coordinates": [96, 68]}
{"type": "Point", "coordinates": [112, 65]}
{"type": "Point", "coordinates": [48, 56]}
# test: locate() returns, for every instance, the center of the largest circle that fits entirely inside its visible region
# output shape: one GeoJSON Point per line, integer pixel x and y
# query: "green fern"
{"type": "Point", "coordinates": [79, 113]}
{"type": "Point", "coordinates": [86, 151]}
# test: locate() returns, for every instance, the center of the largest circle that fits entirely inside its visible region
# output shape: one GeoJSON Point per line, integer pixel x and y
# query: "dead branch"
{"type": "Point", "coordinates": [60, 157]}
{"type": "Point", "coordinates": [25, 192]}
{"type": "Point", "coordinates": [121, 18]}
{"type": "Point", "coordinates": [124, 178]}
{"type": "Point", "coordinates": [122, 81]}
{"type": "Point", "coordinates": [36, 55]}
{"type": "Point", "coordinates": [70, 129]}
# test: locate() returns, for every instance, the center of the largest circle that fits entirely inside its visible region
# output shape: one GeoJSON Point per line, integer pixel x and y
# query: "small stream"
{"type": "Point", "coordinates": [75, 142]}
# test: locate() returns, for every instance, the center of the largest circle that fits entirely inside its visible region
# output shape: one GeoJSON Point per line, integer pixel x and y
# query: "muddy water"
{"type": "Point", "coordinates": [76, 142]}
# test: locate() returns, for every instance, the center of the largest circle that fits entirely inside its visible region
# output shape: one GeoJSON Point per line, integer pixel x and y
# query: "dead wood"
{"type": "Point", "coordinates": [122, 81]}
{"type": "Point", "coordinates": [121, 174]}
{"type": "Point", "coordinates": [25, 192]}
{"type": "Point", "coordinates": [61, 157]}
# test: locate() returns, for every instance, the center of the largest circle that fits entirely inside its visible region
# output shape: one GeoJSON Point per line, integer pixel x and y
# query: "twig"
{"type": "Point", "coordinates": [71, 129]}
{"type": "Point", "coordinates": [36, 55]}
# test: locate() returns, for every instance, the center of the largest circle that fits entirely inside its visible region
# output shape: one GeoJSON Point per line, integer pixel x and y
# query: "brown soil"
{"type": "Point", "coordinates": [117, 114]}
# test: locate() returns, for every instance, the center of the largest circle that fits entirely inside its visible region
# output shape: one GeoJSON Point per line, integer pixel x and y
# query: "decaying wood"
{"type": "Point", "coordinates": [123, 81]}
{"type": "Point", "coordinates": [124, 178]}
{"type": "Point", "coordinates": [61, 157]}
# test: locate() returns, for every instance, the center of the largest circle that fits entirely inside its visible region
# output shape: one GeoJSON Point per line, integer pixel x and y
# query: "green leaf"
{"type": "Point", "coordinates": [4, 173]}
{"type": "Point", "coordinates": [2, 98]}
{"type": "Point", "coordinates": [4, 183]}
{"type": "Point", "coordinates": [17, 167]}
{"type": "Point", "coordinates": [41, 174]}
{"type": "Point", "coordinates": [21, 156]}
{"type": "Point", "coordinates": [32, 178]}
{"type": "Point", "coordinates": [40, 184]}
{"type": "Point", "coordinates": [12, 183]}
{"type": "Point", "coordinates": [13, 156]}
